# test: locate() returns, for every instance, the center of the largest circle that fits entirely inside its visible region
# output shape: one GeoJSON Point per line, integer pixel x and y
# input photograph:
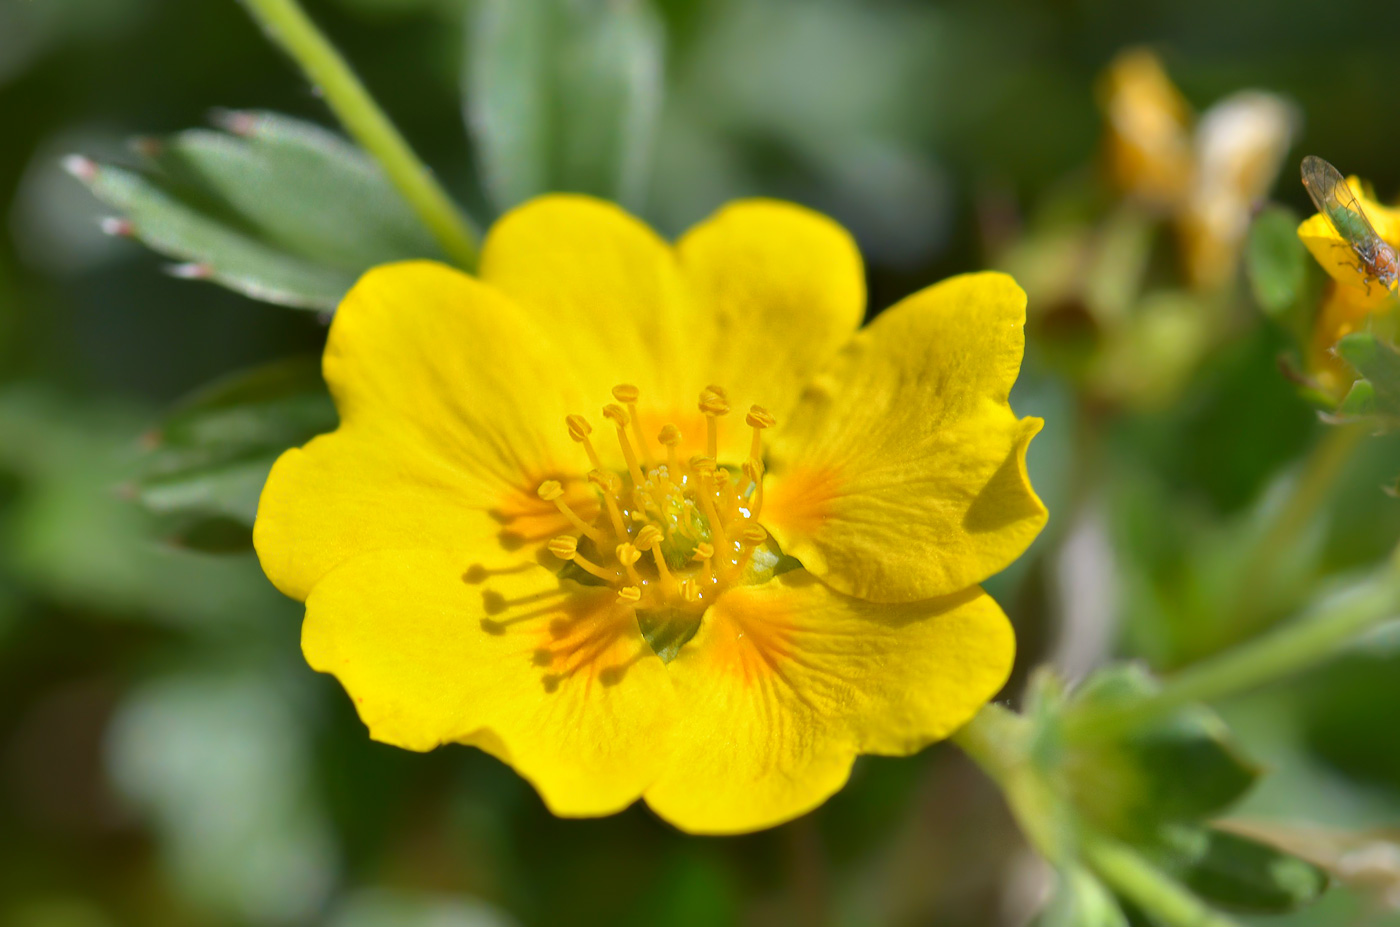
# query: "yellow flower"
{"type": "Point", "coordinates": [1352, 296]}
{"type": "Point", "coordinates": [1148, 143]}
{"type": "Point", "coordinates": [1208, 175]}
{"type": "Point", "coordinates": [1344, 310]}
{"type": "Point", "coordinates": [759, 561]}
{"type": "Point", "coordinates": [1331, 250]}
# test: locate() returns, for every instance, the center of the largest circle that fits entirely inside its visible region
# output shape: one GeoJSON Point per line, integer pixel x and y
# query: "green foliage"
{"type": "Point", "coordinates": [1276, 261]}
{"type": "Point", "coordinates": [208, 460]}
{"type": "Point", "coordinates": [1081, 900]}
{"type": "Point", "coordinates": [1238, 873]}
{"type": "Point", "coordinates": [275, 208]}
{"type": "Point", "coordinates": [1375, 397]}
{"type": "Point", "coordinates": [563, 96]}
{"type": "Point", "coordinates": [1181, 768]}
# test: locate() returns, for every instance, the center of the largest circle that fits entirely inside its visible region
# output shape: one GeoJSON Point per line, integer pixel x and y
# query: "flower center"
{"type": "Point", "coordinates": [670, 534]}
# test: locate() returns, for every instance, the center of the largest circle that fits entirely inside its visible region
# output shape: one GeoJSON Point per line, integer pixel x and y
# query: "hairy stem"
{"type": "Point", "coordinates": [289, 26]}
{"type": "Point", "coordinates": [998, 741]}
{"type": "Point", "coordinates": [1293, 647]}
{"type": "Point", "coordinates": [1309, 493]}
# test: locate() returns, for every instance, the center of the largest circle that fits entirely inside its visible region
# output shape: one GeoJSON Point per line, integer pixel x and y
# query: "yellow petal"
{"type": "Point", "coordinates": [786, 682]}
{"type": "Point", "coordinates": [786, 289]}
{"type": "Point", "coordinates": [609, 289]}
{"type": "Point", "coordinates": [1331, 250]}
{"type": "Point", "coordinates": [434, 650]}
{"type": "Point", "coordinates": [452, 411]}
{"type": "Point", "coordinates": [1344, 310]}
{"type": "Point", "coordinates": [902, 474]}
{"type": "Point", "coordinates": [1148, 128]}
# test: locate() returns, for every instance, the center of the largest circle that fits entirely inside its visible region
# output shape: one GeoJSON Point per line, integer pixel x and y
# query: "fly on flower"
{"type": "Point", "coordinates": [1375, 259]}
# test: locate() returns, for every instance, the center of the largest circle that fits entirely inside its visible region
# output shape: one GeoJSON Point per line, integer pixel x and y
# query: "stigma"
{"type": "Point", "coordinates": [670, 533]}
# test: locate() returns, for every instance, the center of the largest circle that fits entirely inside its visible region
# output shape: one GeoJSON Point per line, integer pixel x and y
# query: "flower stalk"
{"type": "Point", "coordinates": [1284, 652]}
{"type": "Point", "coordinates": [289, 26]}
{"type": "Point", "coordinates": [1000, 742]}
{"type": "Point", "coordinates": [1309, 494]}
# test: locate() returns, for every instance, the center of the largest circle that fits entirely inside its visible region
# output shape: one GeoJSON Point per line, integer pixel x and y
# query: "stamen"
{"type": "Point", "coordinates": [629, 595]}
{"type": "Point", "coordinates": [628, 555]}
{"type": "Point", "coordinates": [689, 592]}
{"type": "Point", "coordinates": [703, 552]}
{"type": "Point", "coordinates": [753, 469]}
{"type": "Point", "coordinates": [649, 538]}
{"type": "Point", "coordinates": [669, 437]}
{"type": "Point", "coordinates": [726, 497]}
{"type": "Point", "coordinates": [749, 539]}
{"type": "Point", "coordinates": [758, 419]}
{"type": "Point", "coordinates": [579, 430]}
{"type": "Point", "coordinates": [619, 418]}
{"type": "Point", "coordinates": [706, 468]}
{"type": "Point", "coordinates": [714, 402]}
{"type": "Point", "coordinates": [609, 485]}
{"type": "Point", "coordinates": [627, 394]}
{"type": "Point", "coordinates": [565, 547]}
{"type": "Point", "coordinates": [552, 491]}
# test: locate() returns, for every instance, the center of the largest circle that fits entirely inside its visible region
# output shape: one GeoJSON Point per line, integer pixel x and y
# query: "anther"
{"type": "Point", "coordinates": [758, 419]}
{"type": "Point", "coordinates": [713, 403]}
{"type": "Point", "coordinates": [649, 538]}
{"type": "Point", "coordinates": [579, 430]}
{"type": "Point", "coordinates": [609, 485]}
{"type": "Point", "coordinates": [670, 436]}
{"type": "Point", "coordinates": [618, 416]}
{"type": "Point", "coordinates": [703, 552]}
{"type": "Point", "coordinates": [749, 540]}
{"type": "Point", "coordinates": [689, 592]}
{"type": "Point", "coordinates": [628, 555]}
{"type": "Point", "coordinates": [552, 491]}
{"type": "Point", "coordinates": [627, 394]}
{"type": "Point", "coordinates": [565, 547]}
{"type": "Point", "coordinates": [629, 595]}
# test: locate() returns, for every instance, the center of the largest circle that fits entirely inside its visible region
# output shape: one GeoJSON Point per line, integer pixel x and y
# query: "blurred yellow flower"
{"type": "Point", "coordinates": [663, 602]}
{"type": "Point", "coordinates": [1148, 143]}
{"type": "Point", "coordinates": [1207, 175]}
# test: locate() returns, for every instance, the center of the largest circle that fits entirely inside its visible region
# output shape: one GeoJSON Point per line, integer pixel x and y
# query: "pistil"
{"type": "Point", "coordinates": [679, 505]}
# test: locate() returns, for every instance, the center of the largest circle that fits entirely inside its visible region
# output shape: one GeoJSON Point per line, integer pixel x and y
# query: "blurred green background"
{"type": "Point", "coordinates": [167, 759]}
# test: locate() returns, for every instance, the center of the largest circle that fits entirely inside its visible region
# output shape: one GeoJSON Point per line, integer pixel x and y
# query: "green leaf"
{"type": "Point", "coordinates": [1181, 768]}
{"type": "Point", "coordinates": [274, 208]}
{"type": "Point", "coordinates": [564, 96]}
{"type": "Point", "coordinates": [1235, 872]}
{"type": "Point", "coordinates": [299, 187]}
{"type": "Point", "coordinates": [1378, 362]}
{"type": "Point", "coordinates": [215, 249]}
{"type": "Point", "coordinates": [212, 454]}
{"type": "Point", "coordinates": [1275, 260]}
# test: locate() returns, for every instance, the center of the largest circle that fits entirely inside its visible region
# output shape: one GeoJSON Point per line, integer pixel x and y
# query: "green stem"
{"type": "Point", "coordinates": [289, 26]}
{"type": "Point", "coordinates": [999, 741]}
{"type": "Point", "coordinates": [1323, 465]}
{"type": "Point", "coordinates": [1142, 883]}
{"type": "Point", "coordinates": [1281, 653]}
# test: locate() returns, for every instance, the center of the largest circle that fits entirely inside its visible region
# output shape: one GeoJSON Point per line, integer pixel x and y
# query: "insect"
{"type": "Point", "coordinates": [1375, 259]}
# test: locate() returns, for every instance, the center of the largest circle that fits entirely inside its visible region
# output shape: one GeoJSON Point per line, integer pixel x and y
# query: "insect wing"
{"type": "Point", "coordinates": [1332, 196]}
